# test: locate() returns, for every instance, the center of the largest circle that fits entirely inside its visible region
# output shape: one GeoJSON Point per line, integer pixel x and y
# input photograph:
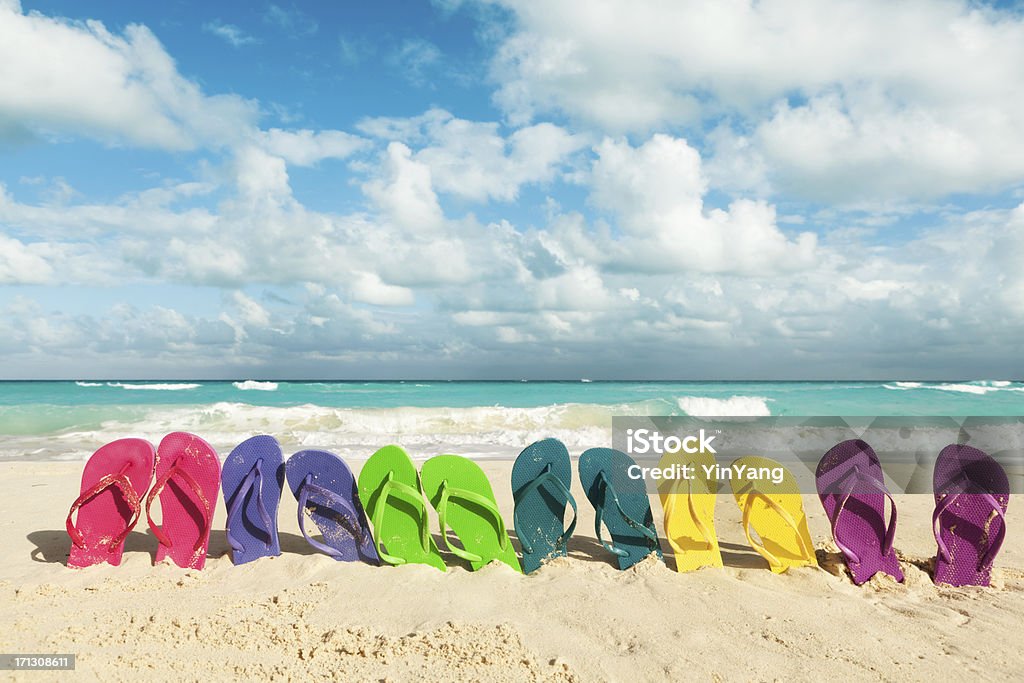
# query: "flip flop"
{"type": "Point", "coordinates": [621, 504]}
{"type": "Point", "coordinates": [188, 484]}
{"type": "Point", "coordinates": [776, 513]}
{"type": "Point", "coordinates": [689, 506]}
{"type": "Point", "coordinates": [969, 522]}
{"type": "Point", "coordinates": [390, 488]}
{"type": "Point", "coordinates": [252, 479]}
{"type": "Point", "coordinates": [326, 490]}
{"type": "Point", "coordinates": [114, 480]}
{"type": "Point", "coordinates": [460, 492]}
{"type": "Point", "coordinates": [851, 487]}
{"type": "Point", "coordinates": [541, 478]}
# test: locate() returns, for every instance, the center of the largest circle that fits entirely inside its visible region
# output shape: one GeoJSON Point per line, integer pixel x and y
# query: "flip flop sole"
{"type": "Point", "coordinates": [476, 527]}
{"type": "Point", "coordinates": [540, 514]}
{"type": "Point", "coordinates": [247, 526]}
{"type": "Point", "coordinates": [778, 537]}
{"type": "Point", "coordinates": [329, 471]}
{"type": "Point", "coordinates": [632, 493]}
{"type": "Point", "coordinates": [686, 540]}
{"type": "Point", "coordinates": [969, 524]}
{"type": "Point", "coordinates": [186, 514]}
{"type": "Point", "coordinates": [862, 522]}
{"type": "Point", "coordinates": [106, 515]}
{"type": "Point", "coordinates": [401, 520]}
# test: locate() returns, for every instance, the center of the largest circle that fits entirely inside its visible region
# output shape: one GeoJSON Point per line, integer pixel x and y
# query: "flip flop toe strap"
{"type": "Point", "coordinates": [449, 492]}
{"type": "Point", "coordinates": [121, 481]}
{"type": "Point", "coordinates": [853, 478]}
{"type": "Point", "coordinates": [748, 507]}
{"type": "Point", "coordinates": [348, 514]}
{"type": "Point", "coordinates": [176, 470]}
{"type": "Point", "coordinates": [392, 487]}
{"type": "Point", "coordinates": [606, 489]}
{"type": "Point", "coordinates": [253, 481]}
{"type": "Point", "coordinates": [546, 477]}
{"type": "Point", "coordinates": [993, 547]}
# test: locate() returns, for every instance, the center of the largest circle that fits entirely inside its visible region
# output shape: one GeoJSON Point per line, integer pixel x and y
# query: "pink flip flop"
{"type": "Point", "coordinates": [114, 480]}
{"type": "Point", "coordinates": [188, 483]}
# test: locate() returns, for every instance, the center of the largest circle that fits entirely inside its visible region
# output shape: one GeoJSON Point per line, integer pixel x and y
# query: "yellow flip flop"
{"type": "Point", "coordinates": [689, 506]}
{"type": "Point", "coordinates": [775, 512]}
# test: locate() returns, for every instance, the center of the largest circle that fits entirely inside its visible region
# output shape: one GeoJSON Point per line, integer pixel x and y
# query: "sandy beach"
{"type": "Point", "coordinates": [303, 616]}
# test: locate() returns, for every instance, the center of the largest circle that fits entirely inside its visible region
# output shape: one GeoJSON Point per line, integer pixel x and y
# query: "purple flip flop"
{"type": "Point", "coordinates": [326, 491]}
{"type": "Point", "coordinates": [852, 490]}
{"type": "Point", "coordinates": [969, 522]}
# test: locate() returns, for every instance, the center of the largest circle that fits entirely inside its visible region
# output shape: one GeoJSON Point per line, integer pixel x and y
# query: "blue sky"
{"type": "Point", "coordinates": [506, 188]}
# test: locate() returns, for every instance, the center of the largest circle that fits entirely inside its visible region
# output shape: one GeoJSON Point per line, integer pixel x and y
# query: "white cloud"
{"type": "Point", "coordinates": [307, 147]}
{"type": "Point", "coordinates": [837, 100]}
{"type": "Point", "coordinates": [472, 160]}
{"type": "Point", "coordinates": [656, 192]}
{"type": "Point", "coordinates": [23, 263]}
{"type": "Point", "coordinates": [415, 57]}
{"type": "Point", "coordinates": [58, 75]}
{"type": "Point", "coordinates": [230, 33]}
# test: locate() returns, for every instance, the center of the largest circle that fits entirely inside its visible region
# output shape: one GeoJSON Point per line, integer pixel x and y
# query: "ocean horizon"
{"type": "Point", "coordinates": [69, 419]}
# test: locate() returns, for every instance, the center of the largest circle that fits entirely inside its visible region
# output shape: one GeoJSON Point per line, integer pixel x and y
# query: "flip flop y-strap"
{"type": "Point", "coordinates": [606, 488]}
{"type": "Point", "coordinates": [173, 470]}
{"type": "Point", "coordinates": [852, 478]}
{"type": "Point", "coordinates": [782, 513]}
{"type": "Point", "coordinates": [993, 548]}
{"type": "Point", "coordinates": [392, 487]}
{"type": "Point", "coordinates": [670, 506]}
{"type": "Point", "coordinates": [546, 477]}
{"type": "Point", "coordinates": [348, 514]}
{"type": "Point", "coordinates": [131, 497]}
{"type": "Point", "coordinates": [253, 480]}
{"type": "Point", "coordinates": [449, 492]}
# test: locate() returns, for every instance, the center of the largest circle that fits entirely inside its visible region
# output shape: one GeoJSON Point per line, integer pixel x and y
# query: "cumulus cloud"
{"type": "Point", "coordinates": [840, 101]}
{"type": "Point", "coordinates": [473, 160]}
{"type": "Point", "coordinates": [64, 76]}
{"type": "Point", "coordinates": [656, 192]}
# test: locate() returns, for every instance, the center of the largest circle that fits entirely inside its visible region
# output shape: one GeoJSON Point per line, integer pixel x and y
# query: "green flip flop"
{"type": "Point", "coordinates": [390, 491]}
{"type": "Point", "coordinates": [460, 492]}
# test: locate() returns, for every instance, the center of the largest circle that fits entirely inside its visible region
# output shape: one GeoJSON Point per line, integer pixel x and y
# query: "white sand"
{"type": "Point", "coordinates": [303, 616]}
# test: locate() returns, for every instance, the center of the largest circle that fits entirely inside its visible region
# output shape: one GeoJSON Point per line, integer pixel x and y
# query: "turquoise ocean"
{"type": "Point", "coordinates": [67, 420]}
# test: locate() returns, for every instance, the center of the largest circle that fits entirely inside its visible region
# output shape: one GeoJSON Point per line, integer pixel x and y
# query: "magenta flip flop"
{"type": "Point", "coordinates": [188, 484]}
{"type": "Point", "coordinates": [851, 487]}
{"type": "Point", "coordinates": [113, 482]}
{"type": "Point", "coordinates": [969, 522]}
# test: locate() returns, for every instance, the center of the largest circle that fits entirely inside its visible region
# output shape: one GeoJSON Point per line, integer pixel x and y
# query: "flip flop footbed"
{"type": "Point", "coordinates": [460, 492]}
{"type": "Point", "coordinates": [689, 507]}
{"type": "Point", "coordinates": [103, 519]}
{"type": "Point", "coordinates": [252, 479]}
{"type": "Point", "coordinates": [540, 503]}
{"type": "Point", "coordinates": [389, 480]}
{"type": "Point", "coordinates": [775, 513]}
{"type": "Point", "coordinates": [190, 472]}
{"type": "Point", "coordinates": [971, 489]}
{"type": "Point", "coordinates": [605, 479]}
{"type": "Point", "coordinates": [325, 484]}
{"type": "Point", "coordinates": [851, 487]}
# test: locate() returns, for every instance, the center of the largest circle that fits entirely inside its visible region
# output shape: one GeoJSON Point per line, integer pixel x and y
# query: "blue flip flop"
{"type": "Point", "coordinates": [252, 479]}
{"type": "Point", "coordinates": [541, 478]}
{"type": "Point", "coordinates": [621, 504]}
{"type": "Point", "coordinates": [326, 490]}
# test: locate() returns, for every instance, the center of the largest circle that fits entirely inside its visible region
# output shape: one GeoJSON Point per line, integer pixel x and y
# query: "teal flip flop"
{"type": "Point", "coordinates": [541, 478]}
{"type": "Point", "coordinates": [621, 504]}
